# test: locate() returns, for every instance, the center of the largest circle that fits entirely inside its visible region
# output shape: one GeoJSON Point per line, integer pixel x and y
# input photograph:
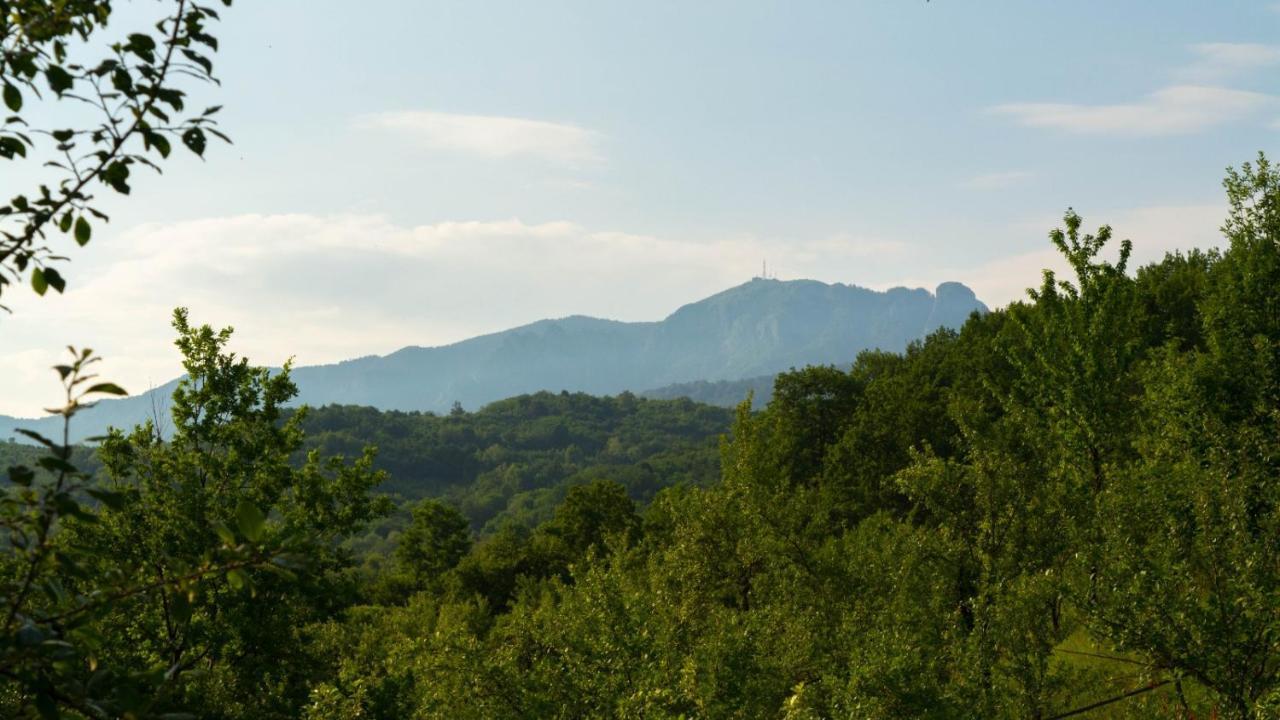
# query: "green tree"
{"type": "Point", "coordinates": [1188, 575]}
{"type": "Point", "coordinates": [591, 514]}
{"type": "Point", "coordinates": [438, 537]}
{"type": "Point", "coordinates": [227, 465]}
{"type": "Point", "coordinates": [61, 592]}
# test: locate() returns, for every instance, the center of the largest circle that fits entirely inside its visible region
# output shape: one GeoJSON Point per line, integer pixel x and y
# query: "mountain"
{"type": "Point", "coordinates": [756, 329]}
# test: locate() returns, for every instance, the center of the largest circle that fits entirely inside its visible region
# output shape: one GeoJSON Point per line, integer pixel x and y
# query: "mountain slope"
{"type": "Point", "coordinates": [756, 329]}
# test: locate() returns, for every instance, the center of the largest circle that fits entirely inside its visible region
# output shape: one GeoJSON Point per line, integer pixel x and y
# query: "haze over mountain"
{"type": "Point", "coordinates": [747, 332]}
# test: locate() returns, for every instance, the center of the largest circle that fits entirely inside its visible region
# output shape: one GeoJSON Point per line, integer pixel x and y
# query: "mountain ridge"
{"type": "Point", "coordinates": [749, 331]}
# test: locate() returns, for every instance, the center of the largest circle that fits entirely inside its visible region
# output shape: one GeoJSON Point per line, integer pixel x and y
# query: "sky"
{"type": "Point", "coordinates": [408, 172]}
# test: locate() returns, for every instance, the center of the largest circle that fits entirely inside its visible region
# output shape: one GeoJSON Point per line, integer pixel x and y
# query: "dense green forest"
{"type": "Point", "coordinates": [1071, 505]}
{"type": "Point", "coordinates": [512, 462]}
{"type": "Point", "coordinates": [519, 455]}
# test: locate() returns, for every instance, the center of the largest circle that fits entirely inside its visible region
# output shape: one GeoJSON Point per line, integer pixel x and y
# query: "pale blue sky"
{"type": "Point", "coordinates": [412, 172]}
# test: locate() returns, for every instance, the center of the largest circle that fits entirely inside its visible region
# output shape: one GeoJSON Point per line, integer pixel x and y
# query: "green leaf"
{"type": "Point", "coordinates": [199, 59]}
{"type": "Point", "coordinates": [171, 97]}
{"type": "Point", "coordinates": [143, 46]}
{"type": "Point", "coordinates": [107, 388]}
{"type": "Point", "coordinates": [54, 279]}
{"type": "Point", "coordinates": [250, 520]}
{"type": "Point", "coordinates": [38, 282]}
{"type": "Point", "coordinates": [141, 42]}
{"type": "Point", "coordinates": [224, 533]}
{"type": "Point", "coordinates": [53, 463]}
{"type": "Point", "coordinates": [35, 436]}
{"type": "Point", "coordinates": [121, 80]}
{"type": "Point", "coordinates": [195, 141]}
{"type": "Point", "coordinates": [237, 578]}
{"type": "Point", "coordinates": [11, 147]}
{"type": "Point", "coordinates": [21, 475]}
{"type": "Point", "coordinates": [117, 175]}
{"type": "Point", "coordinates": [59, 79]}
{"type": "Point", "coordinates": [12, 97]}
{"type": "Point", "coordinates": [160, 142]}
{"type": "Point", "coordinates": [83, 231]}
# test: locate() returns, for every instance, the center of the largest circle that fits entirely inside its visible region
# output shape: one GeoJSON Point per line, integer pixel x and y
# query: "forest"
{"type": "Point", "coordinates": [1069, 507]}
{"type": "Point", "coordinates": [1072, 504]}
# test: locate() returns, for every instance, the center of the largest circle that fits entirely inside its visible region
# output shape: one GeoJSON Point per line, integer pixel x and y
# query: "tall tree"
{"type": "Point", "coordinates": [228, 464]}
{"type": "Point", "coordinates": [1188, 573]}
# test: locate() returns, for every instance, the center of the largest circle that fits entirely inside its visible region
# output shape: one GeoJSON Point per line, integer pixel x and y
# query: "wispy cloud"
{"type": "Point", "coordinates": [1196, 101]}
{"type": "Point", "coordinates": [1175, 110]}
{"type": "Point", "coordinates": [996, 180]}
{"type": "Point", "coordinates": [491, 136]}
{"type": "Point", "coordinates": [1217, 61]}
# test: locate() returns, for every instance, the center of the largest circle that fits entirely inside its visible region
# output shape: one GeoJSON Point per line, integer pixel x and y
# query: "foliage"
{"type": "Point", "coordinates": [436, 539]}
{"type": "Point", "coordinates": [513, 461]}
{"type": "Point", "coordinates": [111, 109]}
{"type": "Point", "coordinates": [1067, 507]}
{"type": "Point", "coordinates": [204, 552]}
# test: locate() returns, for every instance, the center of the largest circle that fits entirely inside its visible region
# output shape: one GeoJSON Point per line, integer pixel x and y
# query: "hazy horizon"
{"type": "Point", "coordinates": [750, 303]}
{"type": "Point", "coordinates": [485, 165]}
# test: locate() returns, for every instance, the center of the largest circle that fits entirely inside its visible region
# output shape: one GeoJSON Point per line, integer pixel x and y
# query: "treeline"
{"type": "Point", "coordinates": [513, 460]}
{"type": "Point", "coordinates": [1071, 507]}
{"type": "Point", "coordinates": [506, 467]}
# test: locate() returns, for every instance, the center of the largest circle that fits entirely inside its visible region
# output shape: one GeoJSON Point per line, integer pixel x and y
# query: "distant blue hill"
{"type": "Point", "coordinates": [747, 332]}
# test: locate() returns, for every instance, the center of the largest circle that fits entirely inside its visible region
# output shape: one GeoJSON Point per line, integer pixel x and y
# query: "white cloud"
{"type": "Point", "coordinates": [1217, 61]}
{"type": "Point", "coordinates": [996, 180]}
{"type": "Point", "coordinates": [1174, 110]}
{"type": "Point", "coordinates": [1197, 101]}
{"type": "Point", "coordinates": [491, 136]}
{"type": "Point", "coordinates": [328, 288]}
